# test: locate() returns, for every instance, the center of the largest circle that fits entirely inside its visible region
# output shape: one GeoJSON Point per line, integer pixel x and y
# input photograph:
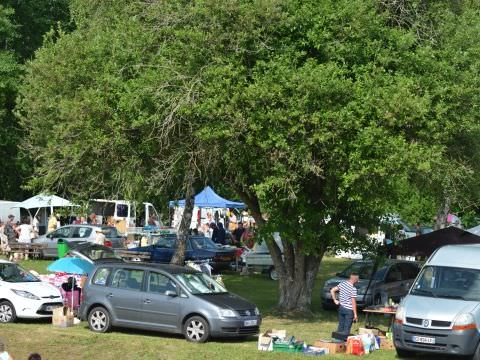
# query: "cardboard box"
{"type": "Point", "coordinates": [333, 347]}
{"type": "Point", "coordinates": [265, 340]}
{"type": "Point", "coordinates": [62, 317]}
{"type": "Point", "coordinates": [386, 344]}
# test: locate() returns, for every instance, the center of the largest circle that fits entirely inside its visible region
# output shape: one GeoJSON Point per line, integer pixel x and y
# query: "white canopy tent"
{"type": "Point", "coordinates": [44, 201]}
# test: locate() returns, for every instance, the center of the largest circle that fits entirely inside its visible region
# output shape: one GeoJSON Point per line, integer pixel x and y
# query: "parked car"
{"type": "Point", "coordinates": [165, 298]}
{"type": "Point", "coordinates": [77, 234]}
{"type": "Point", "coordinates": [391, 281]}
{"type": "Point", "coordinates": [198, 248]}
{"type": "Point", "coordinates": [23, 295]}
{"type": "Point", "coordinates": [259, 258]}
{"type": "Point", "coordinates": [441, 313]}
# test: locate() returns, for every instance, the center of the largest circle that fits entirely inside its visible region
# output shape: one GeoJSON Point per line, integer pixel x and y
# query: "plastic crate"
{"type": "Point", "coordinates": [290, 348]}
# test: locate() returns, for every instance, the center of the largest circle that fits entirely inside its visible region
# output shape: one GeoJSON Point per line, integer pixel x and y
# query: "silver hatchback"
{"type": "Point", "coordinates": [165, 298]}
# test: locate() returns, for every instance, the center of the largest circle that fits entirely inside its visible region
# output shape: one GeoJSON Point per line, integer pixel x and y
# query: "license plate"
{"type": "Point", "coordinates": [250, 323]}
{"type": "Point", "coordinates": [423, 339]}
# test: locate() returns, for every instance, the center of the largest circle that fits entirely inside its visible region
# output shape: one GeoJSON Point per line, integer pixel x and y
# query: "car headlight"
{"type": "Point", "coordinates": [464, 321]}
{"type": "Point", "coordinates": [226, 313]}
{"type": "Point", "coordinates": [257, 312]}
{"type": "Point", "coordinates": [26, 294]}
{"type": "Point", "coordinates": [400, 315]}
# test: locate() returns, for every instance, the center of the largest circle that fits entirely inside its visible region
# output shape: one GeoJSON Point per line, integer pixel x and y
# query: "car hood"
{"type": "Point", "coordinates": [40, 289]}
{"type": "Point", "coordinates": [228, 301]}
{"type": "Point", "coordinates": [436, 308]}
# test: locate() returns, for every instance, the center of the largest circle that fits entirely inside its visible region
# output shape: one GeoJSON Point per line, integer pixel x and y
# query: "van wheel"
{"type": "Point", "coordinates": [476, 355]}
{"type": "Point", "coordinates": [99, 320]}
{"type": "Point", "coordinates": [7, 312]}
{"type": "Point", "coordinates": [403, 354]}
{"type": "Point", "coordinates": [273, 274]}
{"type": "Point", "coordinates": [196, 329]}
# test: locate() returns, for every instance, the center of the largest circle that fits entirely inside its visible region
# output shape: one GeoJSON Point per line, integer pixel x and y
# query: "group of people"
{"type": "Point", "coordinates": [4, 355]}
{"type": "Point", "coordinates": [22, 232]}
{"type": "Point", "coordinates": [239, 235]}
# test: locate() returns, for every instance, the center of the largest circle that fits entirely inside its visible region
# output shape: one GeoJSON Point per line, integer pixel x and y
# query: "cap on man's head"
{"type": "Point", "coordinates": [11, 216]}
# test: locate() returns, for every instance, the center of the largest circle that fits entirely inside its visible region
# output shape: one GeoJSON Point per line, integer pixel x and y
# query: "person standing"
{"type": "Point", "coordinates": [52, 223]}
{"type": "Point", "coordinates": [238, 233]}
{"type": "Point", "coordinates": [25, 232]}
{"type": "Point", "coordinates": [99, 237]}
{"type": "Point", "coordinates": [9, 230]}
{"type": "Point", "coordinates": [347, 299]}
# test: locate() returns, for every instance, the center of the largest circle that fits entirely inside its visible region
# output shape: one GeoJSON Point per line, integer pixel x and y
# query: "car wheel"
{"type": "Point", "coordinates": [402, 354]}
{"type": "Point", "coordinates": [328, 307]}
{"type": "Point", "coordinates": [99, 320]}
{"type": "Point", "coordinates": [273, 274]}
{"type": "Point", "coordinates": [7, 312]}
{"type": "Point", "coordinates": [196, 329]}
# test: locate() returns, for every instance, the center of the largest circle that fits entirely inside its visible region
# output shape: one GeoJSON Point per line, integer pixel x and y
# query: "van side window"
{"type": "Point", "coordinates": [160, 284]}
{"type": "Point", "coordinates": [129, 279]}
{"type": "Point", "coordinates": [394, 274]}
{"type": "Point", "coordinates": [101, 276]}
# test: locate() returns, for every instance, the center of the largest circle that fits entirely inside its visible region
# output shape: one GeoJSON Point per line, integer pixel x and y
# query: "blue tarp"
{"type": "Point", "coordinates": [209, 199]}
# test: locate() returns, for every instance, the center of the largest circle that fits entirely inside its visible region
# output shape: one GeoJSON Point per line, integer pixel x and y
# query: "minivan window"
{"type": "Point", "coordinates": [160, 284]}
{"type": "Point", "coordinates": [363, 269]}
{"type": "Point", "coordinates": [101, 276]}
{"type": "Point", "coordinates": [200, 284]}
{"type": "Point", "coordinates": [129, 279]}
{"type": "Point", "coordinates": [449, 283]}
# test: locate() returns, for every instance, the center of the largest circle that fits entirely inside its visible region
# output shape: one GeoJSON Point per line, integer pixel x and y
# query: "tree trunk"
{"type": "Point", "coordinates": [442, 214]}
{"type": "Point", "coordinates": [182, 235]}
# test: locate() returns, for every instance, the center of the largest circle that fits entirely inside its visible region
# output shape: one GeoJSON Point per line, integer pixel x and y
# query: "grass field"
{"type": "Point", "coordinates": [80, 343]}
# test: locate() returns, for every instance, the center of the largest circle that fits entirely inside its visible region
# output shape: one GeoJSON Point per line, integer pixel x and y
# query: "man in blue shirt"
{"type": "Point", "coordinates": [347, 299]}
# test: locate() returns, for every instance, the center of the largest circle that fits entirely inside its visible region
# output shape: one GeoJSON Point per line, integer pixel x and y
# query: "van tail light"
{"type": "Point", "coordinates": [464, 322]}
{"type": "Point", "coordinates": [107, 243]}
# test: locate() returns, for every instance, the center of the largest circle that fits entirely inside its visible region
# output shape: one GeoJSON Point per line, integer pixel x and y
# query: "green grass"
{"type": "Point", "coordinates": [80, 343]}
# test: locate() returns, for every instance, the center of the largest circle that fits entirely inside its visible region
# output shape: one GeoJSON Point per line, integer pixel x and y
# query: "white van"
{"type": "Point", "coordinates": [441, 313]}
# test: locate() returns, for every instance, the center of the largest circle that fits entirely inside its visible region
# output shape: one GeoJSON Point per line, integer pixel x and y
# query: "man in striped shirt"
{"type": "Point", "coordinates": [347, 299]}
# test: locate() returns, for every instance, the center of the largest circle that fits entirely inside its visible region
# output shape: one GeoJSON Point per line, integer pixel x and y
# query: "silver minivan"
{"type": "Point", "coordinates": [441, 313]}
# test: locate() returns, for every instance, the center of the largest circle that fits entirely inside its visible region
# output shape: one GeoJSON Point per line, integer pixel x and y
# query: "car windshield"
{"type": "Point", "coordinates": [164, 242]}
{"type": "Point", "coordinates": [200, 284]}
{"type": "Point", "coordinates": [15, 274]}
{"type": "Point", "coordinates": [97, 252]}
{"type": "Point", "coordinates": [363, 269]}
{"type": "Point", "coordinates": [449, 283]}
{"type": "Point", "coordinates": [203, 243]}
{"type": "Point", "coordinates": [110, 232]}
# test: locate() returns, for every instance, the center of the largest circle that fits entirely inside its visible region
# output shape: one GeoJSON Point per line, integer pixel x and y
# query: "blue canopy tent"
{"type": "Point", "coordinates": [209, 199]}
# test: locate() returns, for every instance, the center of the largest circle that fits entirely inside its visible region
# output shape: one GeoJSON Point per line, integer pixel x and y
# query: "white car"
{"type": "Point", "coordinates": [23, 295]}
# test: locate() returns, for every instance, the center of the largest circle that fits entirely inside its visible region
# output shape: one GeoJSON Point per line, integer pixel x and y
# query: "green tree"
{"type": "Point", "coordinates": [321, 115]}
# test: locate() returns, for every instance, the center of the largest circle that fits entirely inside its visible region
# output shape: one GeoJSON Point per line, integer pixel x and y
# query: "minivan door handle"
{"type": "Point", "coordinates": [110, 295]}
{"type": "Point", "coordinates": [147, 301]}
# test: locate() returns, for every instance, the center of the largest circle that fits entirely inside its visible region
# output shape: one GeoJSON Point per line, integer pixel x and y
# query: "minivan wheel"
{"type": "Point", "coordinates": [273, 274]}
{"type": "Point", "coordinates": [99, 320]}
{"type": "Point", "coordinates": [196, 329]}
{"type": "Point", "coordinates": [7, 312]}
{"type": "Point", "coordinates": [402, 354]}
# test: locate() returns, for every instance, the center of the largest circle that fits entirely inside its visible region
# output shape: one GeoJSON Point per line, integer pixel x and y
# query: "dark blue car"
{"type": "Point", "coordinates": [198, 248]}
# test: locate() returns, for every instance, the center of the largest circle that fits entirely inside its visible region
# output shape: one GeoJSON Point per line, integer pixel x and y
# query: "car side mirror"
{"type": "Point", "coordinates": [171, 293]}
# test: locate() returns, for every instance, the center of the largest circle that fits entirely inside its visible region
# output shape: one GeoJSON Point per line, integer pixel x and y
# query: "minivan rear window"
{"type": "Point", "coordinates": [449, 283]}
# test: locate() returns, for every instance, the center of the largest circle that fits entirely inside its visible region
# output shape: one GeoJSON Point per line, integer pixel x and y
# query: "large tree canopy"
{"type": "Point", "coordinates": [322, 115]}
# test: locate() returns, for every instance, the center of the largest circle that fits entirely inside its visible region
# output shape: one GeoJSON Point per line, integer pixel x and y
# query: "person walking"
{"type": "Point", "coordinates": [347, 299]}
{"type": "Point", "coordinates": [9, 230]}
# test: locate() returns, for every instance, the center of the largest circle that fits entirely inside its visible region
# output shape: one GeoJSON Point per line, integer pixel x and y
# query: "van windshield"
{"type": "Point", "coordinates": [448, 283]}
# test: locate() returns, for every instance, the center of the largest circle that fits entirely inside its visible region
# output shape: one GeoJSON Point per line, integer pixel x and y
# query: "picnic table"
{"type": "Point", "coordinates": [133, 255]}
{"type": "Point", "coordinates": [25, 250]}
{"type": "Point", "coordinates": [383, 311]}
